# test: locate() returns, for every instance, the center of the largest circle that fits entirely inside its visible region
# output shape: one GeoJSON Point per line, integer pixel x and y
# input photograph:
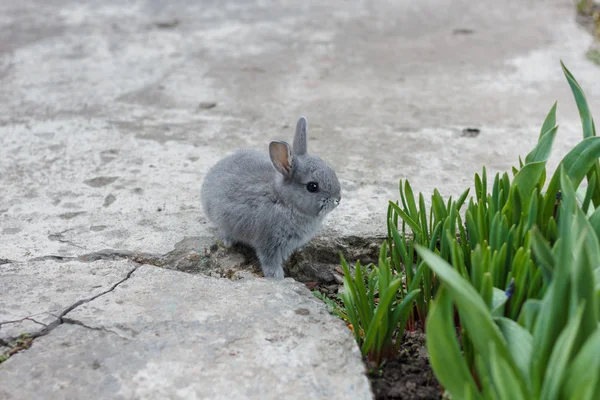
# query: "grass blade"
{"type": "Point", "coordinates": [474, 313]}
{"type": "Point", "coordinates": [541, 152]}
{"type": "Point", "coordinates": [520, 344]}
{"type": "Point", "coordinates": [560, 357]}
{"type": "Point", "coordinates": [445, 354]}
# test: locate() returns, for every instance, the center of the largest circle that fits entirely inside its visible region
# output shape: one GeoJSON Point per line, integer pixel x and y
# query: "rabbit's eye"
{"type": "Point", "coordinates": [312, 187]}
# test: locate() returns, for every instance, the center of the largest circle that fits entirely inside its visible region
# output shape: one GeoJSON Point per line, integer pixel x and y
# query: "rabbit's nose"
{"type": "Point", "coordinates": [337, 202]}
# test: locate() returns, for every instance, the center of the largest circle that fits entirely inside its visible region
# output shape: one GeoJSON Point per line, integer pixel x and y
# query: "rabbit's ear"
{"type": "Point", "coordinates": [281, 157]}
{"type": "Point", "coordinates": [300, 137]}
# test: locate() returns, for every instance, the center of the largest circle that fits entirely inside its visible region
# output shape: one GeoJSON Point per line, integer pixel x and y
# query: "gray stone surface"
{"type": "Point", "coordinates": [111, 112]}
{"type": "Point", "coordinates": [106, 133]}
{"type": "Point", "coordinates": [33, 295]}
{"type": "Point", "coordinates": [166, 334]}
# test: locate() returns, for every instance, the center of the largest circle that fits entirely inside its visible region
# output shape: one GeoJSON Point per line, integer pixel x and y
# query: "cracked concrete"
{"type": "Point", "coordinates": [112, 112]}
{"type": "Point", "coordinates": [36, 295]}
{"type": "Point", "coordinates": [386, 98]}
{"type": "Point", "coordinates": [263, 340]}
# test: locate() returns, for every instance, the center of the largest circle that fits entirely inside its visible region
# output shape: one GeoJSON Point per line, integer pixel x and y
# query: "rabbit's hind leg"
{"type": "Point", "coordinates": [271, 263]}
{"type": "Point", "coordinates": [226, 239]}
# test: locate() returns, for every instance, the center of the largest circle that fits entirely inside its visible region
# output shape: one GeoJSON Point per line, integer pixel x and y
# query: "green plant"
{"type": "Point", "coordinates": [333, 307]}
{"type": "Point", "coordinates": [552, 352]}
{"type": "Point", "coordinates": [504, 245]}
{"type": "Point", "coordinates": [490, 242]}
{"type": "Point", "coordinates": [593, 55]}
{"type": "Point", "coordinates": [22, 342]}
{"type": "Point", "coordinates": [376, 307]}
{"type": "Point", "coordinates": [585, 6]}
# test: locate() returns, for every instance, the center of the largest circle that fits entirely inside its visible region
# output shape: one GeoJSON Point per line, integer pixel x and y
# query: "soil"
{"type": "Point", "coordinates": [408, 377]}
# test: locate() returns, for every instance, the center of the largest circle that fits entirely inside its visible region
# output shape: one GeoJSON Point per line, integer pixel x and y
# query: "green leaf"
{"type": "Point", "coordinates": [561, 355]}
{"type": "Point", "coordinates": [582, 380]}
{"type": "Point", "coordinates": [381, 311]}
{"type": "Point", "coordinates": [472, 231]}
{"type": "Point", "coordinates": [487, 290]}
{"type": "Point", "coordinates": [414, 226]}
{"type": "Point", "coordinates": [423, 216]}
{"type": "Point", "coordinates": [582, 282]}
{"type": "Point", "coordinates": [437, 205]}
{"type": "Point", "coordinates": [475, 315]}
{"type": "Point", "coordinates": [461, 199]}
{"type": "Point", "coordinates": [410, 200]}
{"type": "Point", "coordinates": [445, 354]}
{"type": "Point", "coordinates": [515, 205]}
{"type": "Point", "coordinates": [543, 253]}
{"type": "Point", "coordinates": [533, 210]}
{"type": "Point", "coordinates": [556, 306]}
{"type": "Point", "coordinates": [595, 221]}
{"type": "Point", "coordinates": [582, 105]}
{"type": "Point", "coordinates": [401, 312]}
{"type": "Point", "coordinates": [549, 122]}
{"type": "Point", "coordinates": [365, 309]}
{"type": "Point", "coordinates": [348, 298]}
{"type": "Point", "coordinates": [577, 163]}
{"type": "Point", "coordinates": [529, 313]}
{"type": "Point", "coordinates": [506, 381]}
{"type": "Point", "coordinates": [499, 299]}
{"type": "Point", "coordinates": [589, 193]}
{"type": "Point", "coordinates": [520, 344]}
{"type": "Point", "coordinates": [526, 181]}
{"type": "Point", "coordinates": [541, 152]}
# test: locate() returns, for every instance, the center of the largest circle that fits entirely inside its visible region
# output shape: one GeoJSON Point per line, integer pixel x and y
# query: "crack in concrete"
{"type": "Point", "coordinates": [105, 254]}
{"type": "Point", "coordinates": [72, 321]}
{"type": "Point", "coordinates": [60, 238]}
{"type": "Point", "coordinates": [61, 318]}
{"type": "Point", "coordinates": [16, 321]}
{"type": "Point", "coordinates": [315, 263]}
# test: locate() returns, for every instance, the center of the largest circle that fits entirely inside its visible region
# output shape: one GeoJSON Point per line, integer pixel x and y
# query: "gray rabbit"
{"type": "Point", "coordinates": [274, 205]}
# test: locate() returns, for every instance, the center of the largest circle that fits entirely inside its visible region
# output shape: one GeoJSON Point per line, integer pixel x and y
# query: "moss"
{"type": "Point", "coordinates": [23, 342]}
{"type": "Point", "coordinates": [594, 56]}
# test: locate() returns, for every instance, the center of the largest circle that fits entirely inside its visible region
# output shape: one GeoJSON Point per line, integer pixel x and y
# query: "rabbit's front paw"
{"type": "Point", "coordinates": [274, 273]}
{"type": "Point", "coordinates": [226, 240]}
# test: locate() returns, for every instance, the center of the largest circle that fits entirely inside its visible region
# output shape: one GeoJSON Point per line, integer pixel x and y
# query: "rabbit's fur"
{"type": "Point", "coordinates": [264, 201]}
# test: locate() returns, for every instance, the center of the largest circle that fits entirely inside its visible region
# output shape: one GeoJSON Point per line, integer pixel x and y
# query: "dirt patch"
{"type": "Point", "coordinates": [409, 377]}
{"type": "Point", "coordinates": [317, 263]}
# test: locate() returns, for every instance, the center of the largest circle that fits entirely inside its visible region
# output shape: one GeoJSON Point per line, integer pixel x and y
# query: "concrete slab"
{"type": "Point", "coordinates": [34, 295]}
{"type": "Point", "coordinates": [110, 114]}
{"type": "Point", "coordinates": [166, 334]}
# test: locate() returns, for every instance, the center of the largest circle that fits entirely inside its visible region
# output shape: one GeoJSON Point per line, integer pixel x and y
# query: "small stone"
{"type": "Point", "coordinates": [207, 105]}
{"type": "Point", "coordinates": [339, 279]}
{"type": "Point", "coordinates": [71, 215]}
{"type": "Point", "coordinates": [470, 132]}
{"type": "Point", "coordinates": [242, 274]}
{"type": "Point", "coordinates": [100, 181]}
{"type": "Point", "coordinates": [167, 24]}
{"type": "Point", "coordinates": [109, 200]}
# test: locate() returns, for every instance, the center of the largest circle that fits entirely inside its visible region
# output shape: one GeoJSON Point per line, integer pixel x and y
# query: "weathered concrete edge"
{"type": "Point", "coordinates": [18, 344]}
